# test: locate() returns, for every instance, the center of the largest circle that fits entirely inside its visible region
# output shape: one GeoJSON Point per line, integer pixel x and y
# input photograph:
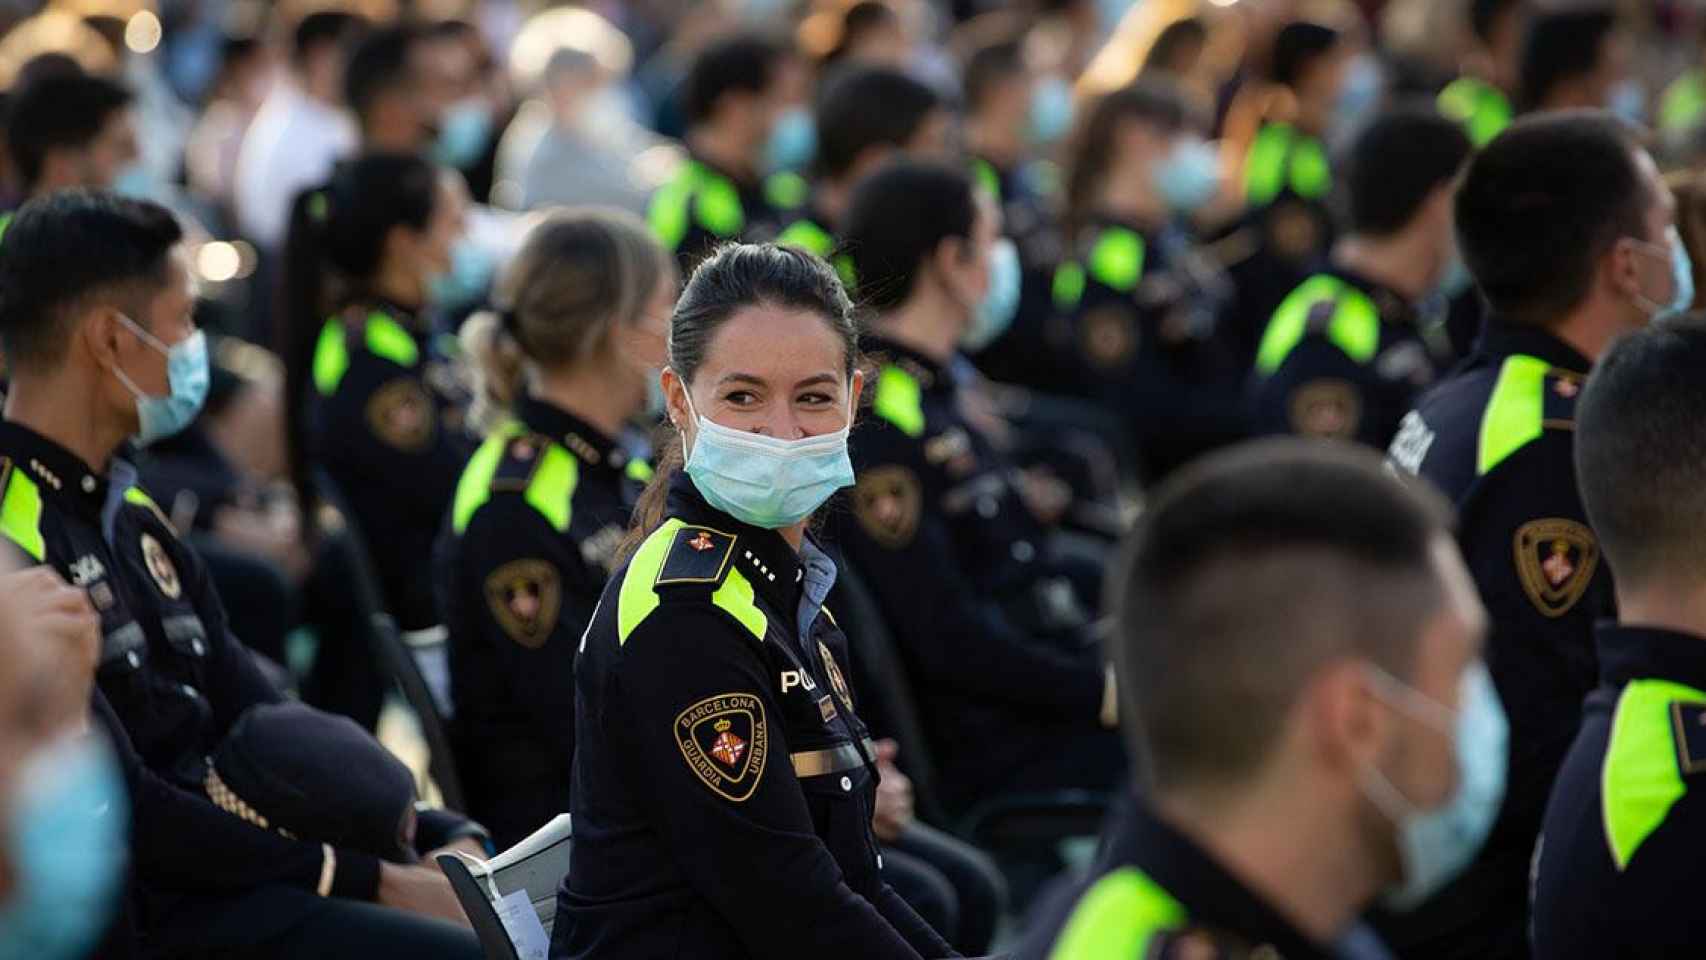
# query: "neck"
{"type": "Point", "coordinates": [1676, 606]}
{"type": "Point", "coordinates": [1590, 329]}
{"type": "Point", "coordinates": [1130, 199]}
{"type": "Point", "coordinates": [1401, 262]}
{"type": "Point", "coordinates": [831, 198]}
{"type": "Point", "coordinates": [795, 535]}
{"type": "Point", "coordinates": [587, 397]}
{"type": "Point", "coordinates": [58, 416]}
{"type": "Point", "coordinates": [1317, 884]}
{"type": "Point", "coordinates": [723, 151]}
{"type": "Point", "coordinates": [998, 145]}
{"type": "Point", "coordinates": [927, 322]}
{"type": "Point", "coordinates": [398, 287]}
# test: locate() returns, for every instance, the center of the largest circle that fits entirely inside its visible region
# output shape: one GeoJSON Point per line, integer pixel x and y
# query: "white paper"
{"type": "Point", "coordinates": [522, 924]}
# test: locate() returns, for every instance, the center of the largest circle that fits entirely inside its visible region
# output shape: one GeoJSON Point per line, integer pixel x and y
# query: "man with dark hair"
{"type": "Point", "coordinates": [1288, 155]}
{"type": "Point", "coordinates": [1580, 58]}
{"type": "Point", "coordinates": [71, 130]}
{"type": "Point", "coordinates": [95, 322]}
{"type": "Point", "coordinates": [854, 139]}
{"type": "Point", "coordinates": [739, 100]}
{"type": "Point", "coordinates": [1298, 646]}
{"type": "Point", "coordinates": [1619, 861]}
{"type": "Point", "coordinates": [1497, 438]}
{"type": "Point", "coordinates": [1480, 99]}
{"type": "Point", "coordinates": [1347, 351]}
{"type": "Point", "coordinates": [386, 87]}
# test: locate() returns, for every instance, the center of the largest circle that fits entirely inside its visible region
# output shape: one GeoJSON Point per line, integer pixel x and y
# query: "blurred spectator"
{"type": "Point", "coordinates": [1682, 111]}
{"type": "Point", "coordinates": [398, 82]}
{"type": "Point", "coordinates": [871, 34]}
{"type": "Point", "coordinates": [1481, 99]}
{"type": "Point", "coordinates": [1690, 190]}
{"type": "Point", "coordinates": [478, 107]}
{"type": "Point", "coordinates": [1178, 49]}
{"type": "Point", "coordinates": [71, 130]}
{"type": "Point", "coordinates": [1580, 58]}
{"type": "Point", "coordinates": [239, 90]}
{"type": "Point", "coordinates": [300, 130]}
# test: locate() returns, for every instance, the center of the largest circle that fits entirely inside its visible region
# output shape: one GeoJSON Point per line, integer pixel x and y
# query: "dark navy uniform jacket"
{"type": "Point", "coordinates": [531, 539]}
{"type": "Point", "coordinates": [1619, 864]}
{"type": "Point", "coordinates": [386, 422]}
{"type": "Point", "coordinates": [1497, 437]}
{"type": "Point", "coordinates": [704, 206]}
{"type": "Point", "coordinates": [1345, 357]}
{"type": "Point", "coordinates": [723, 785]}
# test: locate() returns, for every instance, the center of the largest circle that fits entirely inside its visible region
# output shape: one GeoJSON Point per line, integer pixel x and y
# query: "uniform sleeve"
{"type": "Point", "coordinates": [1318, 391]}
{"type": "Point", "coordinates": [742, 842]}
{"type": "Point", "coordinates": [1652, 899]}
{"type": "Point", "coordinates": [234, 681]}
{"type": "Point", "coordinates": [384, 422]}
{"type": "Point", "coordinates": [910, 925]}
{"type": "Point", "coordinates": [180, 841]}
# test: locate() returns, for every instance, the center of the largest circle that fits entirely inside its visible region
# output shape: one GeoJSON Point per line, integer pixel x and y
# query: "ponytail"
{"type": "Point", "coordinates": [650, 509]}
{"type": "Point", "coordinates": [499, 369]}
{"type": "Point", "coordinates": [302, 297]}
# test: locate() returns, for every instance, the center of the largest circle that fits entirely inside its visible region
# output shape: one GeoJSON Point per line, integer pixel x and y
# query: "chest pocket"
{"type": "Point", "coordinates": [185, 634]}
{"type": "Point", "coordinates": [124, 648]}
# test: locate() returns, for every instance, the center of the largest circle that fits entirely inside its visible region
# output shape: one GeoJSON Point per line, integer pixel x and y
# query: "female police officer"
{"type": "Point", "coordinates": [722, 784]}
{"type": "Point", "coordinates": [543, 505]}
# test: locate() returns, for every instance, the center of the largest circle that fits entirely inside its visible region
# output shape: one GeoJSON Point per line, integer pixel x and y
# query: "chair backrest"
{"type": "Point", "coordinates": [482, 914]}
{"type": "Point", "coordinates": [535, 866]}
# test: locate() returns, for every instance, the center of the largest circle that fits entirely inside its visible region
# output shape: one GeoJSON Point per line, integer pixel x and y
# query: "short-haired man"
{"type": "Point", "coordinates": [71, 129]}
{"type": "Point", "coordinates": [1580, 58]}
{"type": "Point", "coordinates": [1569, 233]}
{"type": "Point", "coordinates": [1298, 646]}
{"type": "Point", "coordinates": [95, 323]}
{"type": "Point", "coordinates": [1618, 863]}
{"type": "Point", "coordinates": [1480, 99]}
{"type": "Point", "coordinates": [1346, 353]}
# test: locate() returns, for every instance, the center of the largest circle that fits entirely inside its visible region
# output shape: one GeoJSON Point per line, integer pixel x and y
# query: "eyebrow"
{"type": "Point", "coordinates": [758, 381]}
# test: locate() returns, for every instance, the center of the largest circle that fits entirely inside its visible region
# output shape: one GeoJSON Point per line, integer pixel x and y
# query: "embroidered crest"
{"type": "Point", "coordinates": [1555, 561]}
{"type": "Point", "coordinates": [524, 596]}
{"type": "Point", "coordinates": [696, 555]}
{"type": "Point", "coordinates": [837, 682]}
{"type": "Point", "coordinates": [1326, 408]}
{"type": "Point", "coordinates": [401, 414]}
{"type": "Point", "coordinates": [887, 501]}
{"type": "Point", "coordinates": [160, 568]}
{"type": "Point", "coordinates": [1109, 335]}
{"type": "Point", "coordinates": [724, 741]}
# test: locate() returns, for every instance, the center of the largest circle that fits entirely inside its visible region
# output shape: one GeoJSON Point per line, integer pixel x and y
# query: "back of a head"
{"type": "Point", "coordinates": [1541, 204]}
{"type": "Point", "coordinates": [745, 64]}
{"type": "Point", "coordinates": [320, 29]}
{"type": "Point", "coordinates": [1484, 17]}
{"type": "Point", "coordinates": [1641, 451]}
{"type": "Point", "coordinates": [868, 107]}
{"type": "Point", "coordinates": [1252, 570]}
{"type": "Point", "coordinates": [1155, 102]}
{"type": "Point", "coordinates": [379, 64]}
{"type": "Point", "coordinates": [988, 68]}
{"type": "Point", "coordinates": [1180, 35]}
{"type": "Point", "coordinates": [897, 218]}
{"type": "Point", "coordinates": [63, 249]}
{"type": "Point", "coordinates": [1558, 48]}
{"type": "Point", "coordinates": [59, 111]}
{"type": "Point", "coordinates": [1396, 163]}
{"type": "Point", "coordinates": [1298, 46]}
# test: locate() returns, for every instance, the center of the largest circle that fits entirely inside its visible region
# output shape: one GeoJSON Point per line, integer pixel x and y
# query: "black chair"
{"type": "Point", "coordinates": [482, 914]}
{"type": "Point", "coordinates": [536, 865]}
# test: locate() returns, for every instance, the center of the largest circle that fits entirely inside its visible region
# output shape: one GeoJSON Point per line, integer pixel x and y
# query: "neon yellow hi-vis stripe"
{"type": "Point", "coordinates": [20, 513]}
{"type": "Point", "coordinates": [1117, 918]}
{"type": "Point", "coordinates": [385, 338]}
{"type": "Point", "coordinates": [1639, 781]}
{"type": "Point", "coordinates": [1354, 327]}
{"type": "Point", "coordinates": [900, 400]}
{"type": "Point", "coordinates": [638, 596]}
{"type": "Point", "coordinates": [550, 490]}
{"type": "Point", "coordinates": [1281, 157]}
{"type": "Point", "coordinates": [1516, 411]}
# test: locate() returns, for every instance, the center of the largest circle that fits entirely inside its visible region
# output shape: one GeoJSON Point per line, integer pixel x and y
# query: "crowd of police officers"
{"type": "Point", "coordinates": [1298, 478]}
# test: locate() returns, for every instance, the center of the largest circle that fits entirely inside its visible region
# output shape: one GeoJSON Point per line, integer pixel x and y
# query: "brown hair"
{"type": "Point", "coordinates": [580, 275]}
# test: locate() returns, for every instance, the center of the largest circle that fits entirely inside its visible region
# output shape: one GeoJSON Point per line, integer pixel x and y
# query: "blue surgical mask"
{"type": "Point", "coordinates": [765, 481]}
{"type": "Point", "coordinates": [793, 141]}
{"type": "Point", "coordinates": [463, 133]}
{"type": "Point", "coordinates": [1189, 177]}
{"type": "Point", "coordinates": [468, 279]}
{"type": "Point", "coordinates": [1359, 96]}
{"type": "Point", "coordinates": [995, 314]}
{"type": "Point", "coordinates": [65, 837]}
{"type": "Point", "coordinates": [187, 374]}
{"type": "Point", "coordinates": [1435, 845]}
{"type": "Point", "coordinates": [1456, 279]}
{"type": "Point", "coordinates": [1051, 111]}
{"type": "Point", "coordinates": [135, 181]}
{"type": "Point", "coordinates": [1629, 101]}
{"type": "Point", "coordinates": [1681, 278]}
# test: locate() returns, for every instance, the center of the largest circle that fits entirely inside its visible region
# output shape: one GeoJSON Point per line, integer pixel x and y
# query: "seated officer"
{"type": "Point", "coordinates": [95, 307]}
{"type": "Point", "coordinates": [1345, 355]}
{"type": "Point", "coordinates": [1618, 863]}
{"type": "Point", "coordinates": [1365, 754]}
{"type": "Point", "coordinates": [67, 130]}
{"type": "Point", "coordinates": [1480, 99]}
{"type": "Point", "coordinates": [1497, 438]}
{"type": "Point", "coordinates": [734, 97]}
{"type": "Point", "coordinates": [1580, 59]}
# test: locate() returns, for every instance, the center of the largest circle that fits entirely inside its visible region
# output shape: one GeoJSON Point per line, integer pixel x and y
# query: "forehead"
{"type": "Point", "coordinates": [775, 343]}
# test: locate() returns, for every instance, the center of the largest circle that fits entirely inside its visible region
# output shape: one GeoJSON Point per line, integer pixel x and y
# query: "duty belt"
{"type": "Point", "coordinates": [817, 763]}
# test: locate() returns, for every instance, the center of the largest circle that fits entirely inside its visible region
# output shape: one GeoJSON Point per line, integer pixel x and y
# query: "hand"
{"type": "Point", "coordinates": [894, 795]}
{"type": "Point", "coordinates": [1110, 699]}
{"type": "Point", "coordinates": [1046, 495]}
{"type": "Point", "coordinates": [36, 603]}
{"type": "Point", "coordinates": [421, 890]}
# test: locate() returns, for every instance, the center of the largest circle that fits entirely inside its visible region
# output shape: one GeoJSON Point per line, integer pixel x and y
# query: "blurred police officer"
{"type": "Point", "coordinates": [1567, 228]}
{"type": "Point", "coordinates": [1366, 750]}
{"type": "Point", "coordinates": [1619, 860]}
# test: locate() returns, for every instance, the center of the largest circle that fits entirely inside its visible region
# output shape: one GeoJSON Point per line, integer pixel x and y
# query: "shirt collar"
{"type": "Point", "coordinates": [1394, 307]}
{"type": "Point", "coordinates": [1502, 338]}
{"type": "Point", "coordinates": [930, 374]}
{"type": "Point", "coordinates": [57, 472]}
{"type": "Point", "coordinates": [766, 560]}
{"type": "Point", "coordinates": [586, 442]}
{"type": "Point", "coordinates": [1633, 652]}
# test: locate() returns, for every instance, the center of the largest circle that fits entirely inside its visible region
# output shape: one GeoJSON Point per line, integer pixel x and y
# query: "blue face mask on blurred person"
{"type": "Point", "coordinates": [463, 134]}
{"type": "Point", "coordinates": [1681, 278]}
{"type": "Point", "coordinates": [765, 481]}
{"type": "Point", "coordinates": [1189, 177]}
{"type": "Point", "coordinates": [468, 279]}
{"type": "Point", "coordinates": [65, 837]}
{"type": "Point", "coordinates": [187, 374]}
{"type": "Point", "coordinates": [1050, 117]}
{"type": "Point", "coordinates": [1435, 845]}
{"type": "Point", "coordinates": [1359, 96]}
{"type": "Point", "coordinates": [1629, 101]}
{"type": "Point", "coordinates": [135, 182]}
{"type": "Point", "coordinates": [793, 141]}
{"type": "Point", "coordinates": [995, 314]}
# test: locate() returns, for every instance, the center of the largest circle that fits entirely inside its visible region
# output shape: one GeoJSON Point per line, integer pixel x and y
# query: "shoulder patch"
{"type": "Point", "coordinates": [1558, 409]}
{"type": "Point", "coordinates": [696, 555]}
{"type": "Point", "coordinates": [1327, 408]}
{"type": "Point", "coordinates": [1555, 561]}
{"type": "Point", "coordinates": [725, 742]}
{"type": "Point", "coordinates": [524, 597]}
{"type": "Point", "coordinates": [1688, 722]}
{"type": "Point", "coordinates": [401, 414]}
{"type": "Point", "coordinates": [887, 501]}
{"type": "Point", "coordinates": [1109, 334]}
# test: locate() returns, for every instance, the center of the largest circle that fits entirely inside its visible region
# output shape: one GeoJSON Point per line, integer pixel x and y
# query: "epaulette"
{"type": "Point", "coordinates": [1201, 943]}
{"type": "Point", "coordinates": [520, 459]}
{"type": "Point", "coordinates": [697, 555]}
{"type": "Point", "coordinates": [1562, 388]}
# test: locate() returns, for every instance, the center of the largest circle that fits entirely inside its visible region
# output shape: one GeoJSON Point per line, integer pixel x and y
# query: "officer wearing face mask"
{"type": "Point", "coordinates": [1137, 300]}
{"type": "Point", "coordinates": [1348, 351]}
{"type": "Point", "coordinates": [1365, 759]}
{"type": "Point", "coordinates": [1497, 437]}
{"type": "Point", "coordinates": [723, 785]}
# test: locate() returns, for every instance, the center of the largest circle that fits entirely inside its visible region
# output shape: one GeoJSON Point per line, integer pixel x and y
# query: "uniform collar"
{"type": "Point", "coordinates": [1631, 653]}
{"type": "Point", "coordinates": [586, 442]}
{"type": "Point", "coordinates": [57, 472]}
{"type": "Point", "coordinates": [1501, 339]}
{"type": "Point", "coordinates": [742, 184]}
{"type": "Point", "coordinates": [1394, 307]}
{"type": "Point", "coordinates": [930, 374]}
{"type": "Point", "coordinates": [762, 556]}
{"type": "Point", "coordinates": [1213, 899]}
